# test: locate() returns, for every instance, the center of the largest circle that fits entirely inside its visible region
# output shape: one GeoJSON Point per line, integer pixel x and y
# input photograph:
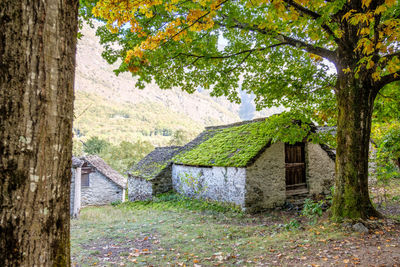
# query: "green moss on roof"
{"type": "Point", "coordinates": [150, 171]}
{"type": "Point", "coordinates": [154, 163]}
{"type": "Point", "coordinates": [235, 146]}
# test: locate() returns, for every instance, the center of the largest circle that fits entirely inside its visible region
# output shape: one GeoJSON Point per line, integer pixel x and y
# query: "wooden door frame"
{"type": "Point", "coordinates": [303, 184]}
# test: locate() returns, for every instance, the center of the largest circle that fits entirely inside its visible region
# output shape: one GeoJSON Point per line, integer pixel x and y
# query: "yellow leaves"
{"type": "Point", "coordinates": [215, 5]}
{"type": "Point", "coordinates": [302, 2]}
{"type": "Point", "coordinates": [393, 65]}
{"type": "Point", "coordinates": [137, 52]}
{"type": "Point", "coordinates": [376, 76]}
{"type": "Point", "coordinates": [128, 57]}
{"type": "Point", "coordinates": [195, 16]}
{"type": "Point", "coordinates": [366, 45]}
{"type": "Point", "coordinates": [316, 58]}
{"type": "Point", "coordinates": [262, 25]}
{"type": "Point", "coordinates": [361, 18]}
{"type": "Point", "coordinates": [348, 14]}
{"type": "Point", "coordinates": [339, 33]}
{"type": "Point", "coordinates": [278, 4]}
{"type": "Point", "coordinates": [390, 3]}
{"type": "Point", "coordinates": [365, 3]}
{"type": "Point", "coordinates": [293, 15]}
{"type": "Point", "coordinates": [380, 9]}
{"type": "Point", "coordinates": [347, 70]}
{"type": "Point", "coordinates": [370, 64]}
{"type": "Point", "coordinates": [364, 31]}
{"type": "Point", "coordinates": [148, 13]}
{"type": "Point", "coordinates": [169, 7]}
{"type": "Point", "coordinates": [112, 29]}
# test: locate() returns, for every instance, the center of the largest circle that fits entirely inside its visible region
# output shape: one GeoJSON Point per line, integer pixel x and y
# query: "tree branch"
{"type": "Point", "coordinates": [302, 9]}
{"type": "Point", "coordinates": [187, 27]}
{"type": "Point", "coordinates": [322, 52]}
{"type": "Point", "coordinates": [240, 63]}
{"type": "Point", "coordinates": [395, 76]}
{"type": "Point", "coordinates": [386, 96]}
{"type": "Point", "coordinates": [230, 55]}
{"type": "Point", "coordinates": [315, 16]}
{"type": "Point", "coordinates": [390, 56]}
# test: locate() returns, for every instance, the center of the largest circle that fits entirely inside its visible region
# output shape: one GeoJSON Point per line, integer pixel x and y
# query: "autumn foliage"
{"type": "Point", "coordinates": [278, 50]}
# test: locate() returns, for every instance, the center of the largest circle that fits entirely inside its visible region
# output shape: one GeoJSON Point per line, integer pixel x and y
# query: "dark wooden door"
{"type": "Point", "coordinates": [295, 166]}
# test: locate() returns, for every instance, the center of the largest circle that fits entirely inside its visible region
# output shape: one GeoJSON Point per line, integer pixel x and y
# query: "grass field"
{"type": "Point", "coordinates": [179, 232]}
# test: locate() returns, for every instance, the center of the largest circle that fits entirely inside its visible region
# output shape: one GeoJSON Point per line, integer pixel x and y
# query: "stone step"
{"type": "Point", "coordinates": [297, 197]}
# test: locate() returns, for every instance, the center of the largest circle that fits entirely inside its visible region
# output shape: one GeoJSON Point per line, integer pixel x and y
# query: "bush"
{"type": "Point", "coordinates": [116, 203]}
{"type": "Point", "coordinates": [312, 210]}
{"type": "Point", "coordinates": [293, 224]}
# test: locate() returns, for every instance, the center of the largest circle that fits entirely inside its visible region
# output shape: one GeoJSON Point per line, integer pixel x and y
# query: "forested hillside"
{"type": "Point", "coordinates": [111, 106]}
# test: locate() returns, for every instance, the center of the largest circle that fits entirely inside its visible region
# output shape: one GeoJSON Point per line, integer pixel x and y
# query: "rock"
{"type": "Point", "coordinates": [346, 226]}
{"type": "Point", "coordinates": [359, 227]}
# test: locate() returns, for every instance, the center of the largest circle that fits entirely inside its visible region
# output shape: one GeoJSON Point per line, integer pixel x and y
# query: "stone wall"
{"type": "Point", "coordinates": [320, 170]}
{"type": "Point", "coordinates": [266, 186]}
{"type": "Point", "coordinates": [225, 184]}
{"type": "Point", "coordinates": [163, 182]}
{"type": "Point", "coordinates": [139, 189]}
{"type": "Point", "coordinates": [101, 191]}
{"type": "Point", "coordinates": [72, 194]}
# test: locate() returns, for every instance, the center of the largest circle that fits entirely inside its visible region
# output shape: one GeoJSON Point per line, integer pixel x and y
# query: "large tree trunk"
{"type": "Point", "coordinates": [355, 98]}
{"type": "Point", "coordinates": [37, 59]}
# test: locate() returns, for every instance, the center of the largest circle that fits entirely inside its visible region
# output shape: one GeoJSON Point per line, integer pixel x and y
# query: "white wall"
{"type": "Point", "coordinates": [226, 184]}
{"type": "Point", "coordinates": [139, 189]}
{"type": "Point", "coordinates": [266, 182]}
{"type": "Point", "coordinates": [320, 169]}
{"type": "Point", "coordinates": [101, 191]}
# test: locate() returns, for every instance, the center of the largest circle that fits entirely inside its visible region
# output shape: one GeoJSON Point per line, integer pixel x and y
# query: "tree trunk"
{"type": "Point", "coordinates": [355, 98]}
{"type": "Point", "coordinates": [37, 61]}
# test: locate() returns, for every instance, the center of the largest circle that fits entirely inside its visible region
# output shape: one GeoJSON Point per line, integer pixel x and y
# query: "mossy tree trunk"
{"type": "Point", "coordinates": [355, 98]}
{"type": "Point", "coordinates": [37, 65]}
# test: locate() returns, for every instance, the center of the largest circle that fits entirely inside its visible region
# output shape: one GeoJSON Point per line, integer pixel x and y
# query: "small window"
{"type": "Point", "coordinates": [85, 180]}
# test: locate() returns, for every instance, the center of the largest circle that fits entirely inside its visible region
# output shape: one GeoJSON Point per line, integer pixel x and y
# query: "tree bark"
{"type": "Point", "coordinates": [37, 61]}
{"type": "Point", "coordinates": [355, 98]}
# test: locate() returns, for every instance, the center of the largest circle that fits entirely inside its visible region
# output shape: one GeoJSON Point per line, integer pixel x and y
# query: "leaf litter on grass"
{"type": "Point", "coordinates": [154, 237]}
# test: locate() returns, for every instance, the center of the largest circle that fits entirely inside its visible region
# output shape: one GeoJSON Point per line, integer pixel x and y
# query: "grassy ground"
{"type": "Point", "coordinates": [180, 232]}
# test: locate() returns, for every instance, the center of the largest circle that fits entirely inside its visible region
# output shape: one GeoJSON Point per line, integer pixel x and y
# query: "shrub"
{"type": "Point", "coordinates": [312, 210]}
{"type": "Point", "coordinates": [116, 203]}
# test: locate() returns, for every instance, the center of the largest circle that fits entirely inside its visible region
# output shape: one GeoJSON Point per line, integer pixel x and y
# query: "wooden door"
{"type": "Point", "coordinates": [295, 166]}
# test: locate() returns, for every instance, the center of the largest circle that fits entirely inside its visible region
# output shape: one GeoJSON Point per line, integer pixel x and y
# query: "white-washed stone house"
{"type": "Point", "coordinates": [94, 183]}
{"type": "Point", "coordinates": [237, 163]}
{"type": "Point", "coordinates": [152, 175]}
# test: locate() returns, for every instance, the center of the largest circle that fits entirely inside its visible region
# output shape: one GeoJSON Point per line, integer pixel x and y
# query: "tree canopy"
{"type": "Point", "coordinates": [280, 50]}
{"type": "Point", "coordinates": [274, 47]}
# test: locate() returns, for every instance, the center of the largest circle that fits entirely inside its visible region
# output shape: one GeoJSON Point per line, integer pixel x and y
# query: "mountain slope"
{"type": "Point", "coordinates": [112, 108]}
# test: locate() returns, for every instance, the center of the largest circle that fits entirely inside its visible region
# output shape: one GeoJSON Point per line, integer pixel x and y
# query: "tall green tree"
{"type": "Point", "coordinates": [95, 145]}
{"type": "Point", "coordinates": [279, 49]}
{"type": "Point", "coordinates": [37, 66]}
{"type": "Point", "coordinates": [121, 157]}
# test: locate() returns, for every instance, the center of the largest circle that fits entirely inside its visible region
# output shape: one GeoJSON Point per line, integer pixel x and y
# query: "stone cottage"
{"type": "Point", "coordinates": [238, 163]}
{"type": "Point", "coordinates": [94, 183]}
{"type": "Point", "coordinates": [152, 175]}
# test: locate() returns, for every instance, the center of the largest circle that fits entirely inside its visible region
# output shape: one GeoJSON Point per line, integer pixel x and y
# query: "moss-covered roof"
{"type": "Point", "coordinates": [157, 160]}
{"type": "Point", "coordinates": [234, 145]}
